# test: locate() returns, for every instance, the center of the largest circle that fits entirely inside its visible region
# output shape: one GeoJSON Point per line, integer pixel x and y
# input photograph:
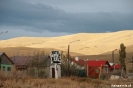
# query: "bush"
{"type": "Point", "coordinates": [82, 73]}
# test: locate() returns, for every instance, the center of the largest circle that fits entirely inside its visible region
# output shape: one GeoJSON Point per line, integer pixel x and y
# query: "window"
{"type": "Point", "coordinates": [105, 69]}
{"type": "Point", "coordinates": [97, 70]}
{"type": "Point", "coordinates": [3, 68]}
{"type": "Point", "coordinates": [8, 68]}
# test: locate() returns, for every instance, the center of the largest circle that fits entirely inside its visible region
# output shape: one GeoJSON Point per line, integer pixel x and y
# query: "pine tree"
{"type": "Point", "coordinates": [122, 56]}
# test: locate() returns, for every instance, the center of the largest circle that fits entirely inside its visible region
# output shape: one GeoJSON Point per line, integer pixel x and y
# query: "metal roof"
{"type": "Point", "coordinates": [79, 62]}
{"type": "Point", "coordinates": [97, 63]}
{"type": "Point", "coordinates": [21, 60]}
{"type": "Point", "coordinates": [117, 66]}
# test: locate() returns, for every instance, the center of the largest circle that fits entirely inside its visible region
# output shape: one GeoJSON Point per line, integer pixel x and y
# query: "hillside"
{"type": "Point", "coordinates": [89, 44]}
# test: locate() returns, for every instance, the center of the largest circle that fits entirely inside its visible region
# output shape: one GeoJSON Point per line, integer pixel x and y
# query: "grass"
{"type": "Point", "coordinates": [65, 82]}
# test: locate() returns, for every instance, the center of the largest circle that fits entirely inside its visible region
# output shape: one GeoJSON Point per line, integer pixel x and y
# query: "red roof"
{"type": "Point", "coordinates": [79, 62]}
{"type": "Point", "coordinates": [97, 63]}
{"type": "Point", "coordinates": [117, 66]}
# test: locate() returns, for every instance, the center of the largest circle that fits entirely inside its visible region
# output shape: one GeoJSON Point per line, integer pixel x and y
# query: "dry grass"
{"type": "Point", "coordinates": [72, 82]}
{"type": "Point", "coordinates": [64, 82]}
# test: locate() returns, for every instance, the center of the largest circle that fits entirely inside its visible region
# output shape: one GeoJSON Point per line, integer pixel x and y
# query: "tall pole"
{"type": "Point", "coordinates": [113, 56]}
{"type": "Point", "coordinates": [69, 57]}
{"type": "Point", "coordinates": [68, 60]}
{"type": "Point", "coordinates": [132, 62]}
{"type": "Point", "coordinates": [87, 67]}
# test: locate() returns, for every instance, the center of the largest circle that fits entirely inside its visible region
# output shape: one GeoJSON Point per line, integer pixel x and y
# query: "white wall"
{"type": "Point", "coordinates": [58, 70]}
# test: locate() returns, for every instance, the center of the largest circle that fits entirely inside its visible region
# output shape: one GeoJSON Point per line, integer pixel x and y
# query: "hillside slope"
{"type": "Point", "coordinates": [89, 44]}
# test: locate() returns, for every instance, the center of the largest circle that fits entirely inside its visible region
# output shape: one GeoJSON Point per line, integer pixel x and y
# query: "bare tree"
{"type": "Point", "coordinates": [38, 64]}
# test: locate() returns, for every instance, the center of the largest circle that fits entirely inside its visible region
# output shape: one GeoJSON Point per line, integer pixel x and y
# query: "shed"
{"type": "Point", "coordinates": [96, 67]}
{"type": "Point", "coordinates": [6, 64]}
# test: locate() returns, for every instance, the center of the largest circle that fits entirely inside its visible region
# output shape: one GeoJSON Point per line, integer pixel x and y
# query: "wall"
{"type": "Point", "coordinates": [5, 63]}
{"type": "Point", "coordinates": [5, 71]}
{"type": "Point", "coordinates": [92, 72]}
{"type": "Point", "coordinates": [59, 70]}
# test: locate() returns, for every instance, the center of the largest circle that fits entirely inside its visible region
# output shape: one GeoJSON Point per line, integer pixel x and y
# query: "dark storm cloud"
{"type": "Point", "coordinates": [39, 17]}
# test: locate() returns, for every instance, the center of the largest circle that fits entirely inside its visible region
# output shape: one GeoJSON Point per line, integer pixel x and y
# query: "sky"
{"type": "Point", "coordinates": [50, 18]}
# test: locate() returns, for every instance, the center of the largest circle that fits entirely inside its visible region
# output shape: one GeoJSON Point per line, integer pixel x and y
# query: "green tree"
{"type": "Point", "coordinates": [122, 56]}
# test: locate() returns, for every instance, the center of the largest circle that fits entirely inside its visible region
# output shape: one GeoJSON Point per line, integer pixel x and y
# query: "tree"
{"type": "Point", "coordinates": [122, 56]}
{"type": "Point", "coordinates": [39, 62]}
{"type": "Point", "coordinates": [73, 70]}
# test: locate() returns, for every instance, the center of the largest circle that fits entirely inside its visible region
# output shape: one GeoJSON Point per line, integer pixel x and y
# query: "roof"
{"type": "Point", "coordinates": [117, 66]}
{"type": "Point", "coordinates": [1, 53]}
{"type": "Point", "coordinates": [111, 64]}
{"type": "Point", "coordinates": [21, 60]}
{"type": "Point", "coordinates": [97, 63]}
{"type": "Point", "coordinates": [79, 62]}
{"type": "Point", "coordinates": [24, 60]}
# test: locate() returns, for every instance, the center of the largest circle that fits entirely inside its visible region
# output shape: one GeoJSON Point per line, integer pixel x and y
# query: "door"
{"type": "Point", "coordinates": [53, 73]}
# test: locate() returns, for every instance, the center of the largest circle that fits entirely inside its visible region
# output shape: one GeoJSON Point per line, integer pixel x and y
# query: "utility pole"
{"type": "Point", "coordinates": [132, 62]}
{"type": "Point", "coordinates": [112, 56]}
{"type": "Point", "coordinates": [69, 57]}
{"type": "Point", "coordinates": [68, 61]}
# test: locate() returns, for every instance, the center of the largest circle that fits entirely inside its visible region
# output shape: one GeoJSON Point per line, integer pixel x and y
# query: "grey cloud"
{"type": "Point", "coordinates": [41, 17]}
{"type": "Point", "coordinates": [90, 5]}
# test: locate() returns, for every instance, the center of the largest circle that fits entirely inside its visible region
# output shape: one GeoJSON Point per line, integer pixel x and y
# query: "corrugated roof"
{"type": "Point", "coordinates": [117, 66]}
{"type": "Point", "coordinates": [21, 60]}
{"type": "Point", "coordinates": [97, 63]}
{"type": "Point", "coordinates": [79, 62]}
{"type": "Point", "coordinates": [25, 60]}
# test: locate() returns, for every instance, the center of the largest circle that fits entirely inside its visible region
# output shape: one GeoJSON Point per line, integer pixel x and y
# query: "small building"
{"type": "Point", "coordinates": [116, 67]}
{"type": "Point", "coordinates": [7, 65]}
{"type": "Point", "coordinates": [21, 62]}
{"type": "Point", "coordinates": [31, 65]}
{"type": "Point", "coordinates": [81, 66]}
{"type": "Point", "coordinates": [52, 71]}
{"type": "Point", "coordinates": [97, 67]}
{"type": "Point", "coordinates": [80, 63]}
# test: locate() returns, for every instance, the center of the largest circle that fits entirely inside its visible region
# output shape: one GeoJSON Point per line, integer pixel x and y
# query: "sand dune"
{"type": "Point", "coordinates": [89, 44]}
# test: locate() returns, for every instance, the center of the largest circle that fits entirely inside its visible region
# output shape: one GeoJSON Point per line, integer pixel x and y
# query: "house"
{"type": "Point", "coordinates": [80, 63]}
{"type": "Point", "coordinates": [31, 65]}
{"type": "Point", "coordinates": [21, 62]}
{"type": "Point", "coordinates": [81, 66]}
{"type": "Point", "coordinates": [7, 65]}
{"type": "Point", "coordinates": [97, 67]}
{"type": "Point", "coordinates": [94, 68]}
{"type": "Point", "coordinates": [116, 67]}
